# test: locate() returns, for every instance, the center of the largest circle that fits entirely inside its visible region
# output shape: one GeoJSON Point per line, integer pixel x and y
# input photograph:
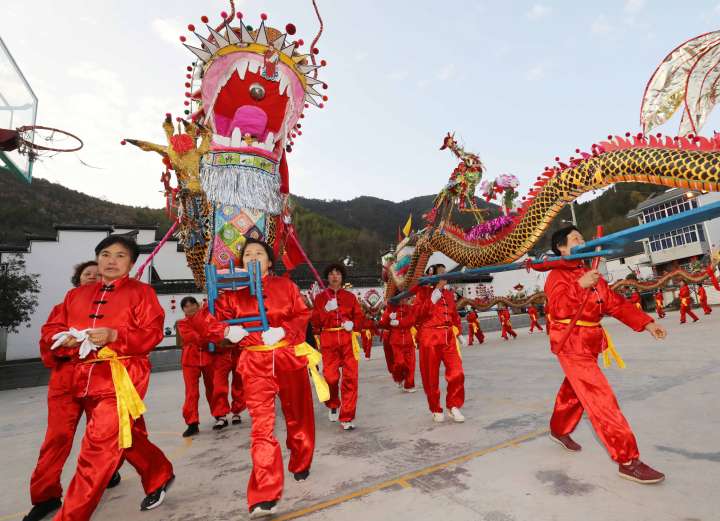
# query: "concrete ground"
{"type": "Point", "coordinates": [498, 466]}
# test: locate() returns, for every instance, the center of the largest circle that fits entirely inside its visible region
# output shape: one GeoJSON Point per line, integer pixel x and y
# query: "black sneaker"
{"type": "Point", "coordinates": [191, 430]}
{"type": "Point", "coordinates": [114, 480]}
{"type": "Point", "coordinates": [266, 508]}
{"type": "Point", "coordinates": [301, 476]}
{"type": "Point", "coordinates": [155, 499]}
{"type": "Point", "coordinates": [220, 423]}
{"type": "Point", "coordinates": [236, 419]}
{"type": "Point", "coordinates": [41, 510]}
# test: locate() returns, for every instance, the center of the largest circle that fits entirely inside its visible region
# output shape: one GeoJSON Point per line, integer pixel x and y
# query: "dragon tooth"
{"type": "Point", "coordinates": [253, 67]}
{"type": "Point", "coordinates": [241, 67]}
{"type": "Point", "coordinates": [284, 83]}
{"type": "Point", "coordinates": [221, 140]}
{"type": "Point", "coordinates": [236, 139]}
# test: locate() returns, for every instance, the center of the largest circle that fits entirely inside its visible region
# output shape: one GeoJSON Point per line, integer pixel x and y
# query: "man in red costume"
{"type": "Point", "coordinates": [659, 303]}
{"type": "Point", "coordinates": [224, 364]}
{"type": "Point", "coordinates": [533, 314]}
{"type": "Point", "coordinates": [438, 325]}
{"type": "Point", "coordinates": [108, 329]}
{"type": "Point", "coordinates": [636, 299]}
{"type": "Point", "coordinates": [399, 320]}
{"type": "Point", "coordinates": [575, 292]}
{"type": "Point", "coordinates": [474, 330]}
{"type": "Point", "coordinates": [702, 297]}
{"type": "Point", "coordinates": [196, 363]}
{"type": "Point", "coordinates": [335, 313]}
{"type": "Point", "coordinates": [505, 323]}
{"type": "Point", "coordinates": [368, 331]}
{"type": "Point", "coordinates": [686, 303]}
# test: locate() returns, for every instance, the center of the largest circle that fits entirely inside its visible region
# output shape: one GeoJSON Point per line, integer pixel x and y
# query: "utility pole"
{"type": "Point", "coordinates": [572, 210]}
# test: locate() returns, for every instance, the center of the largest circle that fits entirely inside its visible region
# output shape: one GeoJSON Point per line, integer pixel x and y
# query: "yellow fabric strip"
{"type": "Point", "coordinates": [356, 339]}
{"type": "Point", "coordinates": [610, 353]}
{"type": "Point", "coordinates": [313, 357]}
{"type": "Point", "coordinates": [368, 334]}
{"type": "Point", "coordinates": [456, 332]}
{"type": "Point", "coordinates": [129, 403]}
{"type": "Point", "coordinates": [413, 333]}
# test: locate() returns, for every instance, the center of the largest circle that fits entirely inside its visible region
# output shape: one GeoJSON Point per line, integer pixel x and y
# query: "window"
{"type": "Point", "coordinates": [679, 237]}
{"type": "Point", "coordinates": [668, 208]}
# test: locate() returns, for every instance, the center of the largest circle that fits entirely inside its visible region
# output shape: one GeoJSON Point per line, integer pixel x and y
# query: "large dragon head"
{"type": "Point", "coordinates": [253, 86]}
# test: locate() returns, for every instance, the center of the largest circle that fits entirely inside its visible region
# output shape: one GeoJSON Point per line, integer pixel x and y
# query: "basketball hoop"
{"type": "Point", "coordinates": [37, 137]}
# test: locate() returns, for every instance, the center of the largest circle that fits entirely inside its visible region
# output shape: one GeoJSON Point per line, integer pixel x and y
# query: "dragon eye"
{"type": "Point", "coordinates": [257, 91]}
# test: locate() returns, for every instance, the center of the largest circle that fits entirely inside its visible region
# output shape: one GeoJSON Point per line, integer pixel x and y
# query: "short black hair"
{"type": "Point", "coordinates": [335, 266]}
{"type": "Point", "coordinates": [128, 243]}
{"type": "Point", "coordinates": [432, 270]}
{"type": "Point", "coordinates": [188, 300]}
{"type": "Point", "coordinates": [75, 279]}
{"type": "Point", "coordinates": [268, 250]}
{"type": "Point", "coordinates": [559, 238]}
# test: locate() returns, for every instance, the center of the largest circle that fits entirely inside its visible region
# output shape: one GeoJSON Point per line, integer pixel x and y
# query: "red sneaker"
{"type": "Point", "coordinates": [566, 442]}
{"type": "Point", "coordinates": [638, 472]}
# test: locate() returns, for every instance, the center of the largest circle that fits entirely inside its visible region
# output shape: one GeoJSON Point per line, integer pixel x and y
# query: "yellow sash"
{"type": "Point", "coordinates": [472, 327]}
{"type": "Point", "coordinates": [413, 334]}
{"type": "Point", "coordinates": [368, 334]}
{"type": "Point", "coordinates": [456, 332]}
{"type": "Point", "coordinates": [356, 339]}
{"type": "Point", "coordinates": [684, 301]}
{"type": "Point", "coordinates": [313, 357]}
{"type": "Point", "coordinates": [610, 350]}
{"type": "Point", "coordinates": [129, 403]}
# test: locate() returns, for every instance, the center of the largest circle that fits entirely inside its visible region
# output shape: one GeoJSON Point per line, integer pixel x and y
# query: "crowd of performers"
{"type": "Point", "coordinates": [97, 344]}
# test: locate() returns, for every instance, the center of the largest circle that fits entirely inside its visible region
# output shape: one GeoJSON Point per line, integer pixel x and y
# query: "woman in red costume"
{"type": "Point", "coordinates": [474, 330]}
{"type": "Point", "coordinates": [368, 331]}
{"type": "Point", "coordinates": [574, 291]}
{"type": "Point", "coordinates": [533, 314]}
{"type": "Point", "coordinates": [399, 319]}
{"type": "Point", "coordinates": [636, 299]}
{"type": "Point", "coordinates": [438, 326]}
{"type": "Point", "coordinates": [686, 303]}
{"type": "Point", "coordinates": [505, 323]}
{"type": "Point", "coordinates": [335, 313]}
{"type": "Point", "coordinates": [273, 363]}
{"type": "Point", "coordinates": [702, 298]}
{"type": "Point", "coordinates": [659, 303]}
{"type": "Point", "coordinates": [108, 329]}
{"type": "Point", "coordinates": [196, 363]}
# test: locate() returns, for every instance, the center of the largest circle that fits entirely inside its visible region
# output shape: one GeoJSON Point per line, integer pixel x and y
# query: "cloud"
{"type": "Point", "coordinates": [600, 25]}
{"type": "Point", "coordinates": [536, 72]}
{"type": "Point", "coordinates": [634, 6]}
{"type": "Point", "coordinates": [538, 11]}
{"type": "Point", "coordinates": [168, 29]}
{"type": "Point", "coordinates": [398, 75]}
{"type": "Point", "coordinates": [361, 56]}
{"type": "Point", "coordinates": [447, 72]}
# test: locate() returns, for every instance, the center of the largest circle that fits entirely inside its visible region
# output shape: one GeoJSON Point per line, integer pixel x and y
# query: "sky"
{"type": "Point", "coordinates": [518, 82]}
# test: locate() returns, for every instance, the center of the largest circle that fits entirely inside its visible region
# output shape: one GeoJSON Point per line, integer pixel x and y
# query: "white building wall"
{"type": "Point", "coordinates": [172, 264]}
{"type": "Point", "coordinates": [712, 228]}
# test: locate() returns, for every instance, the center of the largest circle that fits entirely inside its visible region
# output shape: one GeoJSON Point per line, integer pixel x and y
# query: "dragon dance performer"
{"type": "Point", "coordinates": [335, 313]}
{"type": "Point", "coordinates": [64, 413]}
{"type": "Point", "coordinates": [505, 323]}
{"type": "Point", "coordinates": [224, 367]}
{"type": "Point", "coordinates": [659, 303]}
{"type": "Point", "coordinates": [368, 331]}
{"type": "Point", "coordinates": [474, 330]}
{"type": "Point", "coordinates": [585, 388]}
{"type": "Point", "coordinates": [702, 297]}
{"type": "Point", "coordinates": [534, 322]}
{"type": "Point", "coordinates": [636, 299]}
{"type": "Point", "coordinates": [399, 319]}
{"type": "Point", "coordinates": [438, 325]}
{"type": "Point", "coordinates": [686, 303]}
{"type": "Point", "coordinates": [108, 330]}
{"type": "Point", "coordinates": [196, 363]}
{"type": "Point", "coordinates": [272, 363]}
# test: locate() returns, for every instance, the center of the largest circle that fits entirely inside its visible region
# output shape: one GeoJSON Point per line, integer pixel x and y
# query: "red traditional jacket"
{"type": "Point", "coordinates": [532, 311]}
{"type": "Point", "coordinates": [685, 296]}
{"type": "Point", "coordinates": [441, 314]}
{"type": "Point", "coordinates": [565, 296]}
{"type": "Point", "coordinates": [472, 318]}
{"type": "Point", "coordinates": [127, 305]}
{"type": "Point", "coordinates": [328, 324]}
{"type": "Point", "coordinates": [659, 298]}
{"type": "Point", "coordinates": [194, 348]}
{"type": "Point", "coordinates": [405, 315]}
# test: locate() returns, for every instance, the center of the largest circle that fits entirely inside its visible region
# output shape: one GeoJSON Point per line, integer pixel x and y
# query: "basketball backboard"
{"type": "Point", "coordinates": [18, 108]}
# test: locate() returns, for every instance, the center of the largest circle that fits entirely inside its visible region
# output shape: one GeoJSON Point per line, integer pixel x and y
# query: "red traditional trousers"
{"type": "Point", "coordinates": [389, 355]}
{"type": "Point", "coordinates": [534, 323]}
{"type": "Point", "coordinates": [686, 309]}
{"type": "Point", "coordinates": [507, 330]}
{"type": "Point", "coordinates": [265, 378]}
{"type": "Point", "coordinates": [192, 375]}
{"type": "Point", "coordinates": [64, 413]}
{"type": "Point", "coordinates": [337, 354]}
{"type": "Point", "coordinates": [704, 305]}
{"type": "Point", "coordinates": [367, 342]}
{"type": "Point", "coordinates": [585, 388]}
{"type": "Point", "coordinates": [224, 363]}
{"type": "Point", "coordinates": [404, 363]}
{"type": "Point", "coordinates": [474, 331]}
{"type": "Point", "coordinates": [438, 345]}
{"type": "Point", "coordinates": [100, 456]}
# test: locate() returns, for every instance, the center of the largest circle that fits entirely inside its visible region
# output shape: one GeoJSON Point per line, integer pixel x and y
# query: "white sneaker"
{"type": "Point", "coordinates": [456, 415]}
{"type": "Point", "coordinates": [333, 415]}
{"type": "Point", "coordinates": [399, 384]}
{"type": "Point", "coordinates": [411, 390]}
{"type": "Point", "coordinates": [265, 509]}
{"type": "Point", "coordinates": [438, 417]}
{"type": "Point", "coordinates": [347, 426]}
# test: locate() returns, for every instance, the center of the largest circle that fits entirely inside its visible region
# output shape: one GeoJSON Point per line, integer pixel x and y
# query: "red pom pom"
{"type": "Point", "coordinates": [187, 94]}
{"type": "Point", "coordinates": [322, 105]}
{"type": "Point", "coordinates": [627, 134]}
{"type": "Point", "coordinates": [186, 103]}
{"type": "Point", "coordinates": [323, 63]}
{"type": "Point", "coordinates": [308, 106]}
{"type": "Point", "coordinates": [316, 50]}
{"type": "Point", "coordinates": [577, 150]}
{"type": "Point", "coordinates": [188, 76]}
{"type": "Point", "coordinates": [123, 142]}
{"type": "Point", "coordinates": [609, 137]}
{"type": "Point", "coordinates": [298, 125]}
{"type": "Point", "coordinates": [300, 42]}
{"type": "Point", "coordinates": [223, 15]}
{"type": "Point", "coordinates": [290, 29]}
{"type": "Point", "coordinates": [182, 38]}
{"type": "Point", "coordinates": [188, 68]}
{"type": "Point", "coordinates": [187, 84]}
{"type": "Point", "coordinates": [204, 19]}
{"type": "Point", "coordinates": [324, 85]}
{"type": "Point", "coordinates": [178, 119]}
{"type": "Point", "coordinates": [263, 16]}
{"type": "Point", "coordinates": [168, 115]}
{"type": "Point", "coordinates": [191, 28]}
{"type": "Point", "coordinates": [302, 115]}
{"type": "Point", "coordinates": [299, 132]}
{"type": "Point", "coordinates": [325, 98]}
{"type": "Point", "coordinates": [557, 158]}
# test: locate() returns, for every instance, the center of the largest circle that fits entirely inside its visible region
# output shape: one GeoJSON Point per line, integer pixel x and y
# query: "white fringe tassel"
{"type": "Point", "coordinates": [243, 186]}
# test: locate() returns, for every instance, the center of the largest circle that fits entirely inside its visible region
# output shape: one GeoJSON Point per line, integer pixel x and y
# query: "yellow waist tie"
{"type": "Point", "coordinates": [356, 339]}
{"type": "Point", "coordinates": [684, 301]}
{"type": "Point", "coordinates": [129, 403]}
{"type": "Point", "coordinates": [413, 334]}
{"type": "Point", "coordinates": [609, 351]}
{"type": "Point", "coordinates": [456, 332]}
{"type": "Point", "coordinates": [313, 357]}
{"type": "Point", "coordinates": [368, 334]}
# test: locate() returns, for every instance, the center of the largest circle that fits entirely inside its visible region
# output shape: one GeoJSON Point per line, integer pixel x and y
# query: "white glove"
{"type": "Point", "coordinates": [86, 346]}
{"type": "Point", "coordinates": [393, 316]}
{"type": "Point", "coordinates": [462, 340]}
{"type": "Point", "coordinates": [435, 296]}
{"type": "Point", "coordinates": [348, 325]}
{"type": "Point", "coordinates": [235, 333]}
{"type": "Point", "coordinates": [394, 323]}
{"type": "Point", "coordinates": [273, 335]}
{"type": "Point", "coordinates": [331, 305]}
